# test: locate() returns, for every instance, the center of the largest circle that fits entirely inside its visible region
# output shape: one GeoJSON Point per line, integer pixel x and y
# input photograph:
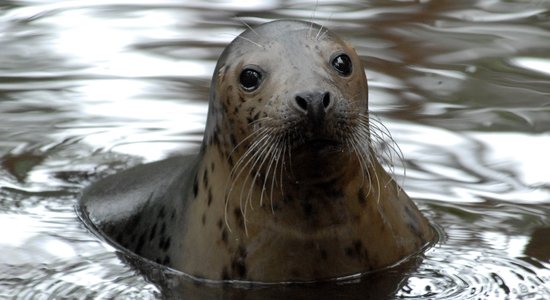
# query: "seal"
{"type": "Point", "coordinates": [287, 186]}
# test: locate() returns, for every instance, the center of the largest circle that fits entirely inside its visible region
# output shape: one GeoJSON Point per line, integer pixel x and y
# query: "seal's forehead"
{"type": "Point", "coordinates": [281, 40]}
{"type": "Point", "coordinates": [286, 31]}
{"type": "Point", "coordinates": [284, 27]}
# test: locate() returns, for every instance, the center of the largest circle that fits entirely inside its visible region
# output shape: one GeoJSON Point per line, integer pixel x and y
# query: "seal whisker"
{"type": "Point", "coordinates": [248, 40]}
{"type": "Point", "coordinates": [385, 135]}
{"type": "Point", "coordinates": [361, 139]}
{"type": "Point", "coordinates": [253, 134]}
{"type": "Point", "coordinates": [312, 18]}
{"type": "Point", "coordinates": [384, 138]}
{"type": "Point", "coordinates": [364, 157]}
{"type": "Point", "coordinates": [238, 167]}
{"type": "Point", "coordinates": [265, 152]}
{"type": "Point", "coordinates": [241, 165]}
{"type": "Point", "coordinates": [319, 32]}
{"type": "Point", "coordinates": [260, 156]}
{"type": "Point", "coordinates": [261, 121]}
{"type": "Point", "coordinates": [273, 157]}
{"type": "Point", "coordinates": [352, 142]}
{"type": "Point", "coordinates": [259, 134]}
{"type": "Point", "coordinates": [256, 157]}
{"type": "Point", "coordinates": [249, 27]}
{"type": "Point", "coordinates": [283, 164]}
{"type": "Point", "coordinates": [280, 159]}
{"type": "Point", "coordinates": [383, 146]}
{"type": "Point", "coordinates": [271, 145]}
{"type": "Point", "coordinates": [271, 168]}
{"type": "Point", "coordinates": [319, 37]}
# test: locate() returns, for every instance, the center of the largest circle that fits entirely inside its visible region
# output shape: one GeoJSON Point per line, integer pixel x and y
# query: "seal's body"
{"type": "Point", "coordinates": [286, 186]}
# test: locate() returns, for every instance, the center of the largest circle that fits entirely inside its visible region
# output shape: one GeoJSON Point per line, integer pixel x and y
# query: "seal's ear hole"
{"type": "Point", "coordinates": [250, 79]}
{"type": "Point", "coordinates": [342, 64]}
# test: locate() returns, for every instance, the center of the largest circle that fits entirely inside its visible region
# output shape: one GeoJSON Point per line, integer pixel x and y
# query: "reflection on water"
{"type": "Point", "coordinates": [88, 88]}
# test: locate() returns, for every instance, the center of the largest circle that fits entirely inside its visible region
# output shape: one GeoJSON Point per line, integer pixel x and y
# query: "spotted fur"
{"type": "Point", "coordinates": [275, 194]}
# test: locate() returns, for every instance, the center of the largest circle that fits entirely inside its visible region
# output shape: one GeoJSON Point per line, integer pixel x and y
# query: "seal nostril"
{"type": "Point", "coordinates": [302, 103]}
{"type": "Point", "coordinates": [326, 100]}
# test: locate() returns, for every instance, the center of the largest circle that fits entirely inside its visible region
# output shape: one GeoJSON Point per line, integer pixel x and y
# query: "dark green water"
{"type": "Point", "coordinates": [88, 88]}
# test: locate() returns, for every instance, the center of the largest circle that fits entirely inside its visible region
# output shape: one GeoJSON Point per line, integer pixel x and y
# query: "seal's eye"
{"type": "Point", "coordinates": [250, 79]}
{"type": "Point", "coordinates": [342, 64]}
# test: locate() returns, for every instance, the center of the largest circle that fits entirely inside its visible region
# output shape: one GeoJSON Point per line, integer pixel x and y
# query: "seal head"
{"type": "Point", "coordinates": [287, 185]}
{"type": "Point", "coordinates": [298, 86]}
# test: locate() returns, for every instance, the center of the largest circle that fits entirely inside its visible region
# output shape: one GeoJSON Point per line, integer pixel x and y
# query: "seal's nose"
{"type": "Point", "coordinates": [313, 104]}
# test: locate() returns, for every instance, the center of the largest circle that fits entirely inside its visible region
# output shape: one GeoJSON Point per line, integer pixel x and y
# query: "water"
{"type": "Point", "coordinates": [88, 88]}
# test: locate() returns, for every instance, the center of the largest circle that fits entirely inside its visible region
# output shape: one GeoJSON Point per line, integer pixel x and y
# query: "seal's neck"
{"type": "Point", "coordinates": [286, 201]}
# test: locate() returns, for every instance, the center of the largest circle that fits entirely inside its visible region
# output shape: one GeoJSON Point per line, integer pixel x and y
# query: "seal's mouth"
{"type": "Point", "coordinates": [319, 146]}
{"type": "Point", "coordinates": [318, 160]}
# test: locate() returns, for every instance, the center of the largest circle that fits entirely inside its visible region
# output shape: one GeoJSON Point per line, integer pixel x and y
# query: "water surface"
{"type": "Point", "coordinates": [88, 88]}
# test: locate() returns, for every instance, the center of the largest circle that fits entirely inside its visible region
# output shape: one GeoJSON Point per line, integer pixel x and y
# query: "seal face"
{"type": "Point", "coordinates": [286, 186]}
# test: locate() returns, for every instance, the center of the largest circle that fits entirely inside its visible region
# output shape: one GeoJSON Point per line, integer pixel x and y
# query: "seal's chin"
{"type": "Point", "coordinates": [319, 147]}
{"type": "Point", "coordinates": [318, 161]}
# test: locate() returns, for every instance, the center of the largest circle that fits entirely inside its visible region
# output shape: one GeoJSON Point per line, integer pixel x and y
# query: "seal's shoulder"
{"type": "Point", "coordinates": [122, 195]}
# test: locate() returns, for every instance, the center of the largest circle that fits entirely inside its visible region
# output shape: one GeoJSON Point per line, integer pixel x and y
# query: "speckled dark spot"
{"type": "Point", "coordinates": [361, 198]}
{"type": "Point", "coordinates": [214, 139]}
{"type": "Point", "coordinates": [239, 217]}
{"type": "Point", "coordinates": [153, 232]}
{"type": "Point", "coordinates": [205, 178]}
{"type": "Point", "coordinates": [224, 236]}
{"type": "Point", "coordinates": [414, 228]}
{"type": "Point", "coordinates": [173, 215]}
{"type": "Point", "coordinates": [233, 140]}
{"type": "Point", "coordinates": [166, 260]}
{"type": "Point", "coordinates": [209, 197]}
{"type": "Point", "coordinates": [357, 245]}
{"type": "Point", "coordinates": [163, 228]}
{"type": "Point", "coordinates": [141, 242]}
{"type": "Point", "coordinates": [238, 265]}
{"type": "Point", "coordinates": [167, 243]}
{"type": "Point", "coordinates": [225, 274]}
{"type": "Point", "coordinates": [356, 250]}
{"type": "Point", "coordinates": [162, 213]}
{"type": "Point", "coordinates": [220, 223]}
